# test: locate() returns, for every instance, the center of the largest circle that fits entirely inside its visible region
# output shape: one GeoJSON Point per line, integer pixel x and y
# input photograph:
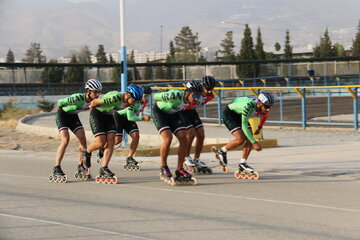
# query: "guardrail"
{"type": "Point", "coordinates": [285, 95]}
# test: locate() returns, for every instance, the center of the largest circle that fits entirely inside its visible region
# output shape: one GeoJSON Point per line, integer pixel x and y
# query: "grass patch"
{"type": "Point", "coordinates": [10, 114]}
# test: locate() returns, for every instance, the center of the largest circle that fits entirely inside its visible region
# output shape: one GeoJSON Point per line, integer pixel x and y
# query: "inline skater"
{"type": "Point", "coordinates": [103, 126]}
{"type": "Point", "coordinates": [167, 118]}
{"type": "Point", "coordinates": [67, 118]}
{"type": "Point", "coordinates": [197, 129]}
{"type": "Point", "coordinates": [125, 119]}
{"type": "Point", "coordinates": [235, 118]}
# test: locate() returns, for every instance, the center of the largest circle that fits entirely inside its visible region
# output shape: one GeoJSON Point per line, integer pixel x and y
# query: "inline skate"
{"type": "Point", "coordinates": [221, 157]}
{"type": "Point", "coordinates": [166, 175]}
{"type": "Point", "coordinates": [106, 176]}
{"type": "Point", "coordinates": [182, 177]}
{"type": "Point", "coordinates": [131, 164]}
{"type": "Point", "coordinates": [190, 165]}
{"type": "Point", "coordinates": [202, 167]}
{"type": "Point", "coordinates": [246, 172]}
{"type": "Point", "coordinates": [58, 176]}
{"type": "Point", "coordinates": [82, 173]}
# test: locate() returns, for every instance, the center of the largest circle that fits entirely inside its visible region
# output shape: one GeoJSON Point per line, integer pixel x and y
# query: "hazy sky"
{"type": "Point", "coordinates": [59, 32]}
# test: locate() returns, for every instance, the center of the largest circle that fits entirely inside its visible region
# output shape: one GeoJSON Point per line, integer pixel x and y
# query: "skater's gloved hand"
{"type": "Point", "coordinates": [146, 118]}
{"type": "Point", "coordinates": [257, 146]}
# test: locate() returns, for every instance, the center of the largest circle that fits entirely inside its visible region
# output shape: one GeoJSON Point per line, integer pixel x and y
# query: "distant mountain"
{"type": "Point", "coordinates": [63, 25]}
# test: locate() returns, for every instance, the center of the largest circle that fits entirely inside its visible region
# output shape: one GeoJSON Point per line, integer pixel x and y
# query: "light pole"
{"type": "Point", "coordinates": [123, 47]}
{"type": "Point", "coordinates": [161, 37]}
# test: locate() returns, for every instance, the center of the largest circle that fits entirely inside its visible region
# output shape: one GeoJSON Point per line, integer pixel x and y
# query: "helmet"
{"type": "Point", "coordinates": [208, 82]}
{"type": "Point", "coordinates": [146, 89]}
{"type": "Point", "coordinates": [93, 85]}
{"type": "Point", "coordinates": [266, 98]}
{"type": "Point", "coordinates": [135, 91]}
{"type": "Point", "coordinates": [194, 86]}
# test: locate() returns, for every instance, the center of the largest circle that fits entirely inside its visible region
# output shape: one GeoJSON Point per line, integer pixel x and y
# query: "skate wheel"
{"type": "Point", "coordinates": [103, 180]}
{"type": "Point", "coordinates": [193, 181]}
{"type": "Point", "coordinates": [248, 175]}
{"type": "Point", "coordinates": [161, 177]}
{"type": "Point", "coordinates": [255, 175]}
{"type": "Point", "coordinates": [137, 168]}
{"type": "Point", "coordinates": [195, 170]}
{"type": "Point", "coordinates": [209, 170]}
{"type": "Point", "coordinates": [114, 180]}
{"type": "Point", "coordinates": [64, 179]}
{"type": "Point", "coordinates": [243, 175]}
{"type": "Point", "coordinates": [87, 171]}
{"type": "Point", "coordinates": [97, 179]}
{"type": "Point", "coordinates": [132, 168]}
{"type": "Point", "coordinates": [56, 179]}
{"type": "Point", "coordinates": [172, 182]}
{"type": "Point", "coordinates": [213, 149]}
{"type": "Point", "coordinates": [225, 169]}
{"type": "Point", "coordinates": [88, 177]}
{"type": "Point", "coordinates": [108, 180]}
{"type": "Point", "coordinates": [237, 175]}
{"type": "Point", "coordinates": [76, 175]}
{"type": "Point", "coordinates": [125, 167]}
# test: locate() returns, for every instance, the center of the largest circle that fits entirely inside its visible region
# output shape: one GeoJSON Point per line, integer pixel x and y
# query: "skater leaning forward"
{"type": "Point", "coordinates": [196, 128]}
{"type": "Point", "coordinates": [67, 118]}
{"type": "Point", "coordinates": [235, 117]}
{"type": "Point", "coordinates": [103, 126]}
{"type": "Point", "coordinates": [126, 119]}
{"type": "Point", "coordinates": [167, 118]}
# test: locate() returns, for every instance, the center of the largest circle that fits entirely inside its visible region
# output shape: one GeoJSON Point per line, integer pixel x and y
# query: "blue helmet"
{"type": "Point", "coordinates": [135, 91]}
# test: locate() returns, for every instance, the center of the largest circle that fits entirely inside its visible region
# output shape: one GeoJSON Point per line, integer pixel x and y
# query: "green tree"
{"type": "Point", "coordinates": [10, 57]}
{"type": "Point", "coordinates": [52, 74]}
{"type": "Point", "coordinates": [259, 46]}
{"type": "Point", "coordinates": [74, 74]}
{"type": "Point", "coordinates": [85, 55]}
{"type": "Point", "coordinates": [355, 48]}
{"type": "Point", "coordinates": [101, 55]}
{"type": "Point", "coordinates": [187, 46]}
{"type": "Point", "coordinates": [325, 48]}
{"type": "Point", "coordinates": [226, 51]}
{"type": "Point", "coordinates": [133, 73]}
{"type": "Point", "coordinates": [277, 46]}
{"type": "Point", "coordinates": [34, 54]}
{"type": "Point", "coordinates": [247, 52]}
{"type": "Point", "coordinates": [340, 50]}
{"type": "Point", "coordinates": [288, 49]}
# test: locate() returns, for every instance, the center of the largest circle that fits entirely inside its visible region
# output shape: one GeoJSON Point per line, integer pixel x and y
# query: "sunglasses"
{"type": "Point", "coordinates": [267, 107]}
{"type": "Point", "coordinates": [196, 95]}
{"type": "Point", "coordinates": [97, 92]}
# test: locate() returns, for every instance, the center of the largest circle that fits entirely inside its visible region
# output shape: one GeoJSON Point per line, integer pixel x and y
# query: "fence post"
{"type": "Point", "coordinates": [219, 107]}
{"type": "Point", "coordinates": [355, 110]}
{"type": "Point", "coordinates": [281, 106]}
{"type": "Point", "coordinates": [303, 108]}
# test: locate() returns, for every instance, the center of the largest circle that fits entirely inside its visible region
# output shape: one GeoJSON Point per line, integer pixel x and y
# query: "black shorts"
{"type": "Point", "coordinates": [164, 121]}
{"type": "Point", "coordinates": [66, 120]}
{"type": "Point", "coordinates": [122, 123]}
{"type": "Point", "coordinates": [101, 123]}
{"type": "Point", "coordinates": [191, 119]}
{"type": "Point", "coordinates": [232, 120]}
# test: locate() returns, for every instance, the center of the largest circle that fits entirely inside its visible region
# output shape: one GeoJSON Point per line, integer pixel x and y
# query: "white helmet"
{"type": "Point", "coordinates": [266, 98]}
{"type": "Point", "coordinates": [93, 85]}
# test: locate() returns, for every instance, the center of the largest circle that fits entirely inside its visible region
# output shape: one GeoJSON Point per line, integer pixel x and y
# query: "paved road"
{"type": "Point", "coordinates": [307, 192]}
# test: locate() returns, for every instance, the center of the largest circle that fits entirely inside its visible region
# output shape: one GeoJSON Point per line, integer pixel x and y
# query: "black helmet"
{"type": "Point", "coordinates": [266, 98]}
{"type": "Point", "coordinates": [194, 87]}
{"type": "Point", "coordinates": [146, 89]}
{"type": "Point", "coordinates": [208, 82]}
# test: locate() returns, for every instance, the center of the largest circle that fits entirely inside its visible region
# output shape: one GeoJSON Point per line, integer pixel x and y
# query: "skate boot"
{"type": "Point", "coordinates": [246, 172]}
{"type": "Point", "coordinates": [189, 165]}
{"type": "Point", "coordinates": [221, 157]}
{"type": "Point", "coordinates": [87, 158]}
{"type": "Point", "coordinates": [166, 175]}
{"type": "Point", "coordinates": [131, 164]}
{"type": "Point", "coordinates": [100, 155]}
{"type": "Point", "coordinates": [82, 173]}
{"type": "Point", "coordinates": [58, 175]}
{"type": "Point", "coordinates": [183, 177]}
{"type": "Point", "coordinates": [202, 167]}
{"type": "Point", "coordinates": [106, 176]}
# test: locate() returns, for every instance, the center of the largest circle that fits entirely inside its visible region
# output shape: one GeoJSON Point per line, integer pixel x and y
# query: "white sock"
{"type": "Point", "coordinates": [243, 160]}
{"type": "Point", "coordinates": [224, 149]}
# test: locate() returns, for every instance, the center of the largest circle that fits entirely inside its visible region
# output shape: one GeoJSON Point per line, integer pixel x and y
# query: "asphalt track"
{"type": "Point", "coordinates": [305, 192]}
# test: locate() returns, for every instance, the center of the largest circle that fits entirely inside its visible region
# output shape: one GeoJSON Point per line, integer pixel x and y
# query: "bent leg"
{"type": "Point", "coordinates": [181, 136]}
{"type": "Point", "coordinates": [239, 139]}
{"type": "Point", "coordinates": [64, 142]}
{"type": "Point", "coordinates": [135, 136]}
{"type": "Point", "coordinates": [200, 136]}
{"type": "Point", "coordinates": [80, 134]}
{"type": "Point", "coordinates": [109, 149]}
{"type": "Point", "coordinates": [165, 146]}
{"type": "Point", "coordinates": [190, 135]}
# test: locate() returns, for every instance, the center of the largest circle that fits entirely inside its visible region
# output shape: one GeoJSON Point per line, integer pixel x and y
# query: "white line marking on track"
{"type": "Point", "coordinates": [74, 226]}
{"type": "Point", "coordinates": [223, 195]}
